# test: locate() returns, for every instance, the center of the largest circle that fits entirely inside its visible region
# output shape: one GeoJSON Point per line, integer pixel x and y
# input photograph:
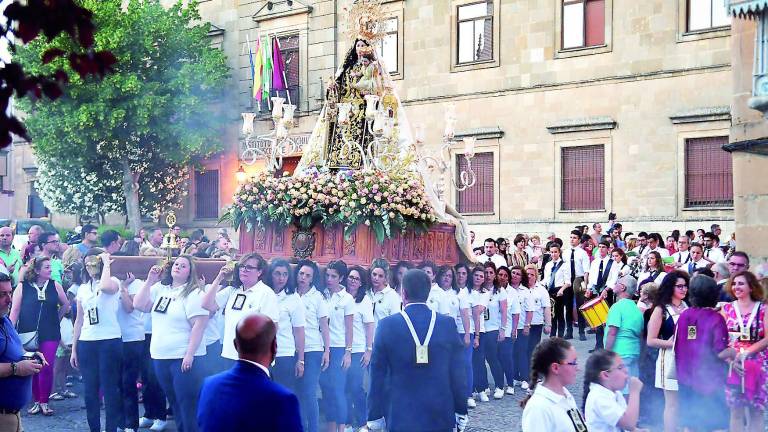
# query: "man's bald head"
{"type": "Point", "coordinates": [6, 237]}
{"type": "Point", "coordinates": [255, 338]}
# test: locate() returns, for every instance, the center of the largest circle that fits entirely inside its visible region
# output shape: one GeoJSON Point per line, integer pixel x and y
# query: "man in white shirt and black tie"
{"type": "Point", "coordinates": [597, 279]}
{"type": "Point", "coordinates": [697, 259]}
{"type": "Point", "coordinates": [712, 252]}
{"type": "Point", "coordinates": [577, 261]}
{"type": "Point", "coordinates": [683, 255]}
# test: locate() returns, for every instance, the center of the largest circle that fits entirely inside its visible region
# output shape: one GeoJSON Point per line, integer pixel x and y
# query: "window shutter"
{"type": "Point", "coordinates": [207, 194]}
{"type": "Point", "coordinates": [708, 173]}
{"type": "Point", "coordinates": [583, 178]}
{"type": "Point", "coordinates": [478, 198]}
{"type": "Point", "coordinates": [595, 25]}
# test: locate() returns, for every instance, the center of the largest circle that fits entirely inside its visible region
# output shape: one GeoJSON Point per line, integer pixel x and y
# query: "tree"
{"type": "Point", "coordinates": [159, 111]}
{"type": "Point", "coordinates": [24, 22]}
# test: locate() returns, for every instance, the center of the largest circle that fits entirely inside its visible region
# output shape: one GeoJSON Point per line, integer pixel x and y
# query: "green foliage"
{"type": "Point", "coordinates": [159, 112]}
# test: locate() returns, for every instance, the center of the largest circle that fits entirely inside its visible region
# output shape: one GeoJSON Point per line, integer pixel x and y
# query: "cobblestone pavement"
{"type": "Point", "coordinates": [496, 416]}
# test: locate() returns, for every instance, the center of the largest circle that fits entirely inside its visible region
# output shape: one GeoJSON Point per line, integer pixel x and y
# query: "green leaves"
{"type": "Point", "coordinates": [161, 109]}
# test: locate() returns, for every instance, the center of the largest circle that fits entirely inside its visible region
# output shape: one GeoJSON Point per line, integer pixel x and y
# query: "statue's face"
{"type": "Point", "coordinates": [358, 46]}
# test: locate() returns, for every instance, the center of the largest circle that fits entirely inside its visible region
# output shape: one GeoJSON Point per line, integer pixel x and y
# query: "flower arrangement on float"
{"type": "Point", "coordinates": [390, 203]}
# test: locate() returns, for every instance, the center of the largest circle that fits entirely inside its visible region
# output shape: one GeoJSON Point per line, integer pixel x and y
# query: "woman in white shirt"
{"type": "Point", "coordinates": [131, 322]}
{"type": "Point", "coordinates": [340, 323]}
{"type": "Point", "coordinates": [619, 268]}
{"type": "Point", "coordinates": [178, 320]}
{"type": "Point", "coordinates": [557, 278]}
{"type": "Point", "coordinates": [289, 360]}
{"type": "Point", "coordinates": [511, 332]}
{"type": "Point", "coordinates": [655, 272]}
{"type": "Point", "coordinates": [479, 298]}
{"type": "Point", "coordinates": [386, 301]}
{"type": "Point", "coordinates": [541, 320]}
{"type": "Point", "coordinates": [362, 345]}
{"type": "Point", "coordinates": [317, 341]}
{"type": "Point", "coordinates": [605, 408]}
{"type": "Point", "coordinates": [551, 407]}
{"type": "Point", "coordinates": [97, 350]}
{"type": "Point", "coordinates": [465, 322]}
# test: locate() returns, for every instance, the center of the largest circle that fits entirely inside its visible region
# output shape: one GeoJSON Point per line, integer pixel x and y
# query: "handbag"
{"type": "Point", "coordinates": [30, 341]}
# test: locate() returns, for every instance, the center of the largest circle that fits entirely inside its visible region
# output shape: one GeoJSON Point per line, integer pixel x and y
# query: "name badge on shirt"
{"type": "Point", "coordinates": [577, 420]}
{"type": "Point", "coordinates": [486, 314]}
{"type": "Point", "coordinates": [744, 337]}
{"type": "Point", "coordinates": [691, 332]}
{"type": "Point", "coordinates": [93, 316]}
{"type": "Point", "coordinates": [239, 302]}
{"type": "Point", "coordinates": [41, 295]}
{"type": "Point", "coordinates": [162, 305]}
{"type": "Point", "coordinates": [422, 354]}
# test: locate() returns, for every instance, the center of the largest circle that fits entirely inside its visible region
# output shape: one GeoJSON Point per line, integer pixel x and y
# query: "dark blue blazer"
{"type": "Point", "coordinates": [417, 398]}
{"type": "Point", "coordinates": [244, 399]}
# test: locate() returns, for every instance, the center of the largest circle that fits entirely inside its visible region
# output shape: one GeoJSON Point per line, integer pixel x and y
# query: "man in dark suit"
{"type": "Point", "coordinates": [417, 386]}
{"type": "Point", "coordinates": [244, 398]}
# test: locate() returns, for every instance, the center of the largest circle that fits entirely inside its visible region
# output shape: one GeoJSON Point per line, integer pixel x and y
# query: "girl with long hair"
{"type": "Point", "coordinates": [289, 359]}
{"type": "Point", "coordinates": [669, 304]}
{"type": "Point", "coordinates": [551, 407]}
{"type": "Point", "coordinates": [386, 301]}
{"type": "Point", "coordinates": [362, 345]}
{"type": "Point", "coordinates": [605, 408]}
{"type": "Point", "coordinates": [479, 298]}
{"type": "Point", "coordinates": [397, 274]}
{"type": "Point", "coordinates": [175, 301]}
{"type": "Point", "coordinates": [507, 279]}
{"type": "Point", "coordinates": [655, 271]}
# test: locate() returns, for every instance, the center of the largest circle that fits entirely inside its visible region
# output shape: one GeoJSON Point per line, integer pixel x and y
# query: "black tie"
{"type": "Point", "coordinates": [600, 275]}
{"type": "Point", "coordinates": [573, 266]}
{"type": "Point", "coordinates": [707, 254]}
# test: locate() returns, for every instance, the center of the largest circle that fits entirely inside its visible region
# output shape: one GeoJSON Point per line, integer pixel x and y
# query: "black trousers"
{"type": "Point", "coordinates": [558, 327]}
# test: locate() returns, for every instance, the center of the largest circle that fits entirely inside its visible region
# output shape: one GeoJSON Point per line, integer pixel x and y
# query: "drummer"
{"type": "Point", "coordinates": [597, 280]}
{"type": "Point", "coordinates": [625, 326]}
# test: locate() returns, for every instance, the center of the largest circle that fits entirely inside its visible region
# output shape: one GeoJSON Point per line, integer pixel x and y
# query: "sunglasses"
{"type": "Point", "coordinates": [248, 267]}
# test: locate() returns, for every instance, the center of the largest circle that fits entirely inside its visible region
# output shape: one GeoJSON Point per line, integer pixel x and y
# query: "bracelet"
{"type": "Point", "coordinates": [348, 349]}
{"type": "Point", "coordinates": [369, 348]}
{"type": "Point", "coordinates": [301, 362]}
{"type": "Point", "coordinates": [13, 369]}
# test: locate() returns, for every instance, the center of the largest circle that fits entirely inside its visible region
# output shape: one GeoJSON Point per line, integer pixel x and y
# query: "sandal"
{"type": "Point", "coordinates": [34, 410]}
{"type": "Point", "coordinates": [45, 410]}
{"type": "Point", "coordinates": [56, 396]}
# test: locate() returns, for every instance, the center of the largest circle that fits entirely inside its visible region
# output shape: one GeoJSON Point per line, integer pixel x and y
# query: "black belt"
{"type": "Point", "coordinates": [8, 411]}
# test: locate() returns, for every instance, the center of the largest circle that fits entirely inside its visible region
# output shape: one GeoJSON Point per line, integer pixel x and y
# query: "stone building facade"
{"type": "Point", "coordinates": [579, 107]}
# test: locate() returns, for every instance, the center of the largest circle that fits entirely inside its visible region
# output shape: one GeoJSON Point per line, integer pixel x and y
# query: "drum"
{"type": "Point", "coordinates": [595, 312]}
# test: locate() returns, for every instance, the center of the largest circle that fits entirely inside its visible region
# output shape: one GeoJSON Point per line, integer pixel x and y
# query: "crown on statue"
{"type": "Point", "coordinates": [368, 49]}
{"type": "Point", "coordinates": [365, 21]}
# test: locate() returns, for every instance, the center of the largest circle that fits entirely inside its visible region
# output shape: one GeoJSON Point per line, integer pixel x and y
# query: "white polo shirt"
{"type": "Point", "coordinates": [363, 314]}
{"type": "Point", "coordinates": [105, 305]}
{"type": "Point", "coordinates": [173, 327]}
{"type": "Point", "coordinates": [477, 298]}
{"type": "Point", "coordinates": [340, 305]}
{"type": "Point", "coordinates": [604, 409]}
{"type": "Point", "coordinates": [385, 303]}
{"type": "Point", "coordinates": [215, 327]}
{"type": "Point", "coordinates": [494, 310]}
{"type": "Point", "coordinates": [618, 270]}
{"type": "Point", "coordinates": [539, 300]}
{"type": "Point", "coordinates": [497, 259]}
{"type": "Point", "coordinates": [291, 316]}
{"type": "Point", "coordinates": [548, 411]}
{"type": "Point", "coordinates": [131, 324]}
{"type": "Point", "coordinates": [315, 308]}
{"type": "Point", "coordinates": [240, 302]}
{"type": "Point", "coordinates": [437, 300]}
{"type": "Point", "coordinates": [525, 304]}
{"type": "Point", "coordinates": [456, 303]}
{"type": "Point", "coordinates": [513, 308]}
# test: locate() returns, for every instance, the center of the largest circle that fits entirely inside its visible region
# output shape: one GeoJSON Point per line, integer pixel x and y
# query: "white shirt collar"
{"type": "Point", "coordinates": [552, 396]}
{"type": "Point", "coordinates": [598, 388]}
{"type": "Point", "coordinates": [415, 303]}
{"type": "Point", "coordinates": [259, 365]}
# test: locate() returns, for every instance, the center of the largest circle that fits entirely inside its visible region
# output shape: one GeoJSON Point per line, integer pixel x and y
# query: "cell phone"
{"type": "Point", "coordinates": [33, 356]}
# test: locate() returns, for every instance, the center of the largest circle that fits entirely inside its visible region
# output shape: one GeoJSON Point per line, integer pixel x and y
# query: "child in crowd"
{"type": "Point", "coordinates": [61, 367]}
{"type": "Point", "coordinates": [605, 409]}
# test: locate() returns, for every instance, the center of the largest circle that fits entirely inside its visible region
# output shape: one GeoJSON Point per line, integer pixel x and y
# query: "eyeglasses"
{"type": "Point", "coordinates": [681, 286]}
{"type": "Point", "coordinates": [248, 267]}
{"type": "Point", "coordinates": [353, 278]}
{"type": "Point", "coordinates": [620, 367]}
{"type": "Point", "coordinates": [572, 363]}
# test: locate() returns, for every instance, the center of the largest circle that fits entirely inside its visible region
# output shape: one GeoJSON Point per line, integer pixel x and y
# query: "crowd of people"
{"type": "Point", "coordinates": [686, 318]}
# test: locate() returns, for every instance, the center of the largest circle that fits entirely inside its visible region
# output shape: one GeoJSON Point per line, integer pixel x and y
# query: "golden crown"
{"type": "Point", "coordinates": [365, 21]}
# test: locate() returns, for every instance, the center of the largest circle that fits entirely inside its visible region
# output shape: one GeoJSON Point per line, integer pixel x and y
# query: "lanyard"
{"type": "Point", "coordinates": [413, 331]}
{"type": "Point", "coordinates": [745, 329]}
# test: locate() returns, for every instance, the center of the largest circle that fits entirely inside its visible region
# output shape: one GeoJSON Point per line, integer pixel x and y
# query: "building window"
{"type": "Point", "coordinates": [478, 198]}
{"type": "Point", "coordinates": [388, 46]}
{"type": "Point", "coordinates": [583, 23]}
{"type": "Point", "coordinates": [475, 32]}
{"type": "Point", "coordinates": [708, 173]}
{"type": "Point", "coordinates": [583, 178]}
{"type": "Point", "coordinates": [707, 14]}
{"type": "Point", "coordinates": [35, 205]}
{"type": "Point", "coordinates": [207, 194]}
{"type": "Point", "coordinates": [289, 48]}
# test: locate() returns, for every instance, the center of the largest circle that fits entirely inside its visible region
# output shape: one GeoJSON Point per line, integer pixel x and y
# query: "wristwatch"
{"type": "Point", "coordinates": [301, 362]}
{"type": "Point", "coordinates": [13, 369]}
{"type": "Point", "coordinates": [348, 349]}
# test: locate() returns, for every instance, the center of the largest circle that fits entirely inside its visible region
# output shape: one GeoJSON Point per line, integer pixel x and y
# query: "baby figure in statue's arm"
{"type": "Point", "coordinates": [366, 84]}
